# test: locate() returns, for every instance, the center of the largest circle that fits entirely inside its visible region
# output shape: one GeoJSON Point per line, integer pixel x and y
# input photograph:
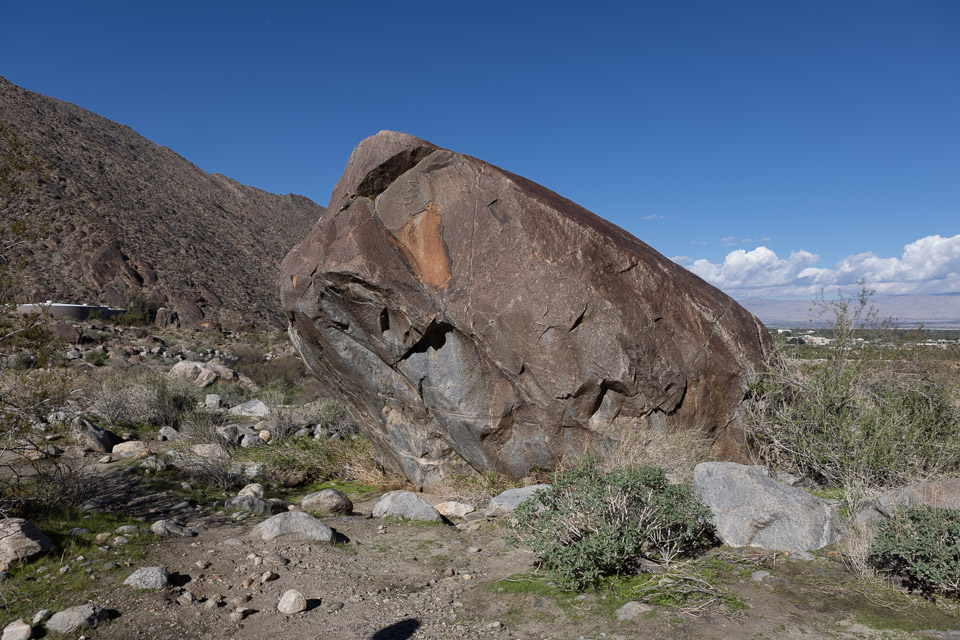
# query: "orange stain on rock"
{"type": "Point", "coordinates": [421, 240]}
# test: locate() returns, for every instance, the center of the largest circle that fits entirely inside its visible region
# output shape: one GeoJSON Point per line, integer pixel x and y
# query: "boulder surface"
{"type": "Point", "coordinates": [477, 321]}
{"type": "Point", "coordinates": [752, 509]}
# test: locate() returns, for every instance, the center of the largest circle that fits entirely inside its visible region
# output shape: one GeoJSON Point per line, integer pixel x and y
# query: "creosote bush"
{"type": "Point", "coordinates": [593, 523]}
{"type": "Point", "coordinates": [921, 546]}
{"type": "Point", "coordinates": [862, 418]}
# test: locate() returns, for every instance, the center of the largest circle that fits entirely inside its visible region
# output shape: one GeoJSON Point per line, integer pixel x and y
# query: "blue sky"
{"type": "Point", "coordinates": [773, 147]}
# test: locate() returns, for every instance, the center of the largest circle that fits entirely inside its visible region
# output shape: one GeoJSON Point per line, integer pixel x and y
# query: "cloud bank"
{"type": "Point", "coordinates": [928, 265]}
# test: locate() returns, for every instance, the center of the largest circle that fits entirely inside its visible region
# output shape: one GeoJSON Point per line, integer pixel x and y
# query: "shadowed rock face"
{"type": "Point", "coordinates": [476, 320]}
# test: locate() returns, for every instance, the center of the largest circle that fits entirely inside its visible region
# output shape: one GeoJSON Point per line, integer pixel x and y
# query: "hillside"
{"type": "Point", "coordinates": [121, 215]}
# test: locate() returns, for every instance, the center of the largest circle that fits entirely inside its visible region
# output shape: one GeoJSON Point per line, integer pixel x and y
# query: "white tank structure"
{"type": "Point", "coordinates": [73, 311]}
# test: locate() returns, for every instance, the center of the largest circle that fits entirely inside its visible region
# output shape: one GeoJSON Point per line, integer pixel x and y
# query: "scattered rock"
{"type": "Point", "coordinates": [292, 602]}
{"type": "Point", "coordinates": [510, 499]}
{"type": "Point", "coordinates": [210, 452]}
{"type": "Point", "coordinates": [632, 610]}
{"type": "Point", "coordinates": [758, 576]}
{"type": "Point", "coordinates": [253, 408]}
{"type": "Point", "coordinates": [405, 504]}
{"type": "Point", "coordinates": [212, 401]}
{"type": "Point", "coordinates": [42, 616]}
{"type": "Point", "coordinates": [293, 525]}
{"type": "Point", "coordinates": [66, 332]}
{"type": "Point", "coordinates": [204, 374]}
{"type": "Point", "coordinates": [240, 613]}
{"type": "Point", "coordinates": [130, 449]}
{"type": "Point", "coordinates": [944, 494]}
{"type": "Point", "coordinates": [254, 489]}
{"type": "Point", "coordinates": [148, 578]}
{"type": "Point", "coordinates": [69, 620]}
{"type": "Point", "coordinates": [251, 441]}
{"type": "Point", "coordinates": [17, 630]}
{"type": "Point", "coordinates": [268, 576]}
{"type": "Point", "coordinates": [255, 505]}
{"type": "Point", "coordinates": [170, 528]}
{"type": "Point", "coordinates": [752, 509]}
{"type": "Point", "coordinates": [91, 437]}
{"type": "Point", "coordinates": [21, 540]}
{"type": "Point", "coordinates": [187, 599]}
{"type": "Point", "coordinates": [327, 501]}
{"type": "Point", "coordinates": [169, 434]}
{"type": "Point", "coordinates": [453, 509]}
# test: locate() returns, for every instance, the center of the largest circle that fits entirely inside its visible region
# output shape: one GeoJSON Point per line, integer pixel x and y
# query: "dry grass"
{"type": "Point", "coordinates": [676, 451]}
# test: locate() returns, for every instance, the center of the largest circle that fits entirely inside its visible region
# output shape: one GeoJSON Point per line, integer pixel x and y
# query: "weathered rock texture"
{"type": "Point", "coordinates": [477, 320]}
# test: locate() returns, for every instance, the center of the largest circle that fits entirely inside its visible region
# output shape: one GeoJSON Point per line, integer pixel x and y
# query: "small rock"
{"type": "Point", "coordinates": [405, 504]}
{"type": "Point", "coordinates": [69, 620]}
{"type": "Point", "coordinates": [268, 576]}
{"type": "Point", "coordinates": [187, 599]}
{"type": "Point", "coordinates": [17, 630]}
{"type": "Point", "coordinates": [170, 528]}
{"type": "Point", "coordinates": [148, 578]}
{"type": "Point", "coordinates": [21, 540]}
{"type": "Point", "coordinates": [78, 531]}
{"type": "Point", "coordinates": [254, 489]}
{"type": "Point", "coordinates": [327, 501]}
{"type": "Point", "coordinates": [240, 613]}
{"type": "Point", "coordinates": [233, 542]}
{"type": "Point", "coordinates": [42, 616]}
{"type": "Point", "coordinates": [130, 449]}
{"type": "Point", "coordinates": [293, 525]}
{"type": "Point", "coordinates": [292, 602]}
{"type": "Point", "coordinates": [253, 408]}
{"type": "Point", "coordinates": [105, 459]}
{"type": "Point", "coordinates": [631, 610]}
{"type": "Point", "coordinates": [169, 434]}
{"type": "Point", "coordinates": [212, 401]}
{"type": "Point", "coordinates": [126, 529]}
{"type": "Point", "coordinates": [453, 509]}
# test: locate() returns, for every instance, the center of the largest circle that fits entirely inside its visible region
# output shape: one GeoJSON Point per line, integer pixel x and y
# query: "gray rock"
{"type": "Point", "coordinates": [752, 509]}
{"type": "Point", "coordinates": [148, 578]}
{"type": "Point", "coordinates": [252, 441]}
{"type": "Point", "coordinates": [126, 529]}
{"type": "Point", "coordinates": [759, 576]}
{"type": "Point", "coordinates": [212, 401]}
{"type": "Point", "coordinates": [254, 489]}
{"type": "Point", "coordinates": [253, 408]}
{"type": "Point", "coordinates": [130, 449]}
{"type": "Point", "coordinates": [42, 616]}
{"type": "Point", "coordinates": [166, 528]}
{"type": "Point", "coordinates": [230, 434]}
{"type": "Point", "coordinates": [21, 540]}
{"type": "Point", "coordinates": [632, 610]}
{"type": "Point", "coordinates": [17, 630]}
{"type": "Point", "coordinates": [169, 433]}
{"type": "Point", "coordinates": [944, 494]}
{"type": "Point", "coordinates": [327, 501]}
{"type": "Point", "coordinates": [293, 525]}
{"type": "Point", "coordinates": [210, 452]}
{"type": "Point", "coordinates": [510, 499]}
{"type": "Point", "coordinates": [78, 531]}
{"type": "Point", "coordinates": [153, 463]}
{"type": "Point", "coordinates": [69, 620]}
{"type": "Point", "coordinates": [292, 602]}
{"type": "Point", "coordinates": [255, 505]}
{"type": "Point", "coordinates": [452, 509]}
{"type": "Point", "coordinates": [405, 504]}
{"type": "Point", "coordinates": [93, 438]}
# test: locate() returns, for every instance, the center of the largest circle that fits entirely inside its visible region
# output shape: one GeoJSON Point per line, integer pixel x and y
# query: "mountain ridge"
{"type": "Point", "coordinates": [121, 215]}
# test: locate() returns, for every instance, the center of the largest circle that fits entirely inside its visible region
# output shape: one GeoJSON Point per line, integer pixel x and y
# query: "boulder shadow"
{"type": "Point", "coordinates": [398, 630]}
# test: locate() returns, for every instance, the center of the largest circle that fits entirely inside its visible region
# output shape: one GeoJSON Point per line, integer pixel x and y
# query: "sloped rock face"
{"type": "Point", "coordinates": [477, 320]}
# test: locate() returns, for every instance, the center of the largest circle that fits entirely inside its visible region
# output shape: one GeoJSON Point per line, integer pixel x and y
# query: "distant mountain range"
{"type": "Point", "coordinates": [122, 216]}
{"type": "Point", "coordinates": [933, 311]}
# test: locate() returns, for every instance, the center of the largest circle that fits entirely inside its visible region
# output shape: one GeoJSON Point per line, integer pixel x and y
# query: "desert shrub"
{"type": "Point", "coordinates": [592, 523]}
{"type": "Point", "coordinates": [200, 427]}
{"type": "Point", "coordinates": [96, 358]}
{"type": "Point", "coordinates": [921, 546]}
{"type": "Point", "coordinates": [320, 459]}
{"type": "Point", "coordinates": [478, 489]}
{"type": "Point", "coordinates": [139, 310]}
{"type": "Point", "coordinates": [857, 418]}
{"type": "Point", "coordinates": [144, 399]}
{"type": "Point", "coordinates": [282, 372]}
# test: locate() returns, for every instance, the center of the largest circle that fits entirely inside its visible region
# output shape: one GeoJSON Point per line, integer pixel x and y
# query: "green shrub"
{"type": "Point", "coordinates": [96, 358]}
{"type": "Point", "coordinates": [139, 310]}
{"type": "Point", "coordinates": [591, 523]}
{"type": "Point", "coordinates": [921, 546]}
{"type": "Point", "coordinates": [856, 418]}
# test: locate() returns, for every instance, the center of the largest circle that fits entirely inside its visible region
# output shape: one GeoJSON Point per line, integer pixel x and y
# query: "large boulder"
{"type": "Point", "coordinates": [942, 494]}
{"type": "Point", "coordinates": [476, 320]}
{"type": "Point", "coordinates": [752, 509]}
{"type": "Point", "coordinates": [21, 540]}
{"type": "Point", "coordinates": [293, 525]}
{"type": "Point", "coordinates": [69, 620]}
{"type": "Point", "coordinates": [406, 505]}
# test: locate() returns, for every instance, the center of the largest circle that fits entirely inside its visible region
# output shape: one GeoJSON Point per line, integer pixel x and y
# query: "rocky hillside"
{"type": "Point", "coordinates": [121, 215]}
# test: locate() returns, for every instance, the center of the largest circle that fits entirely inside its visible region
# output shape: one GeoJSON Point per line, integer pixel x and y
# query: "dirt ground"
{"type": "Point", "coordinates": [398, 580]}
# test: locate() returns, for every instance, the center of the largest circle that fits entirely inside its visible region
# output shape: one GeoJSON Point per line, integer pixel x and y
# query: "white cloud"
{"type": "Point", "coordinates": [653, 216]}
{"type": "Point", "coordinates": [699, 243]}
{"type": "Point", "coordinates": [928, 265]}
{"type": "Point", "coordinates": [729, 241]}
{"type": "Point", "coordinates": [682, 259]}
